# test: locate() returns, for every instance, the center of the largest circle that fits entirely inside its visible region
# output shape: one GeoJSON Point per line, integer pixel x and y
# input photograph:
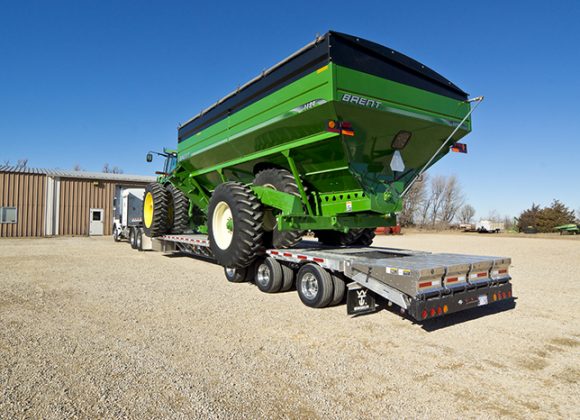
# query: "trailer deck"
{"type": "Point", "coordinates": [424, 285]}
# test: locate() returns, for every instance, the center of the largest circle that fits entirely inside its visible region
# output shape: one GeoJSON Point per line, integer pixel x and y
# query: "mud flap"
{"type": "Point", "coordinates": [359, 300]}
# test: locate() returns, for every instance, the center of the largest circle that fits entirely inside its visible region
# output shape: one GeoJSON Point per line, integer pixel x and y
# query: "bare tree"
{"type": "Point", "coordinates": [578, 215]}
{"type": "Point", "coordinates": [77, 168]}
{"type": "Point", "coordinates": [494, 216]}
{"type": "Point", "coordinates": [466, 214]}
{"type": "Point", "coordinates": [111, 170]}
{"type": "Point", "coordinates": [22, 163]}
{"type": "Point", "coordinates": [452, 200]}
{"type": "Point", "coordinates": [438, 185]}
{"type": "Point", "coordinates": [412, 203]}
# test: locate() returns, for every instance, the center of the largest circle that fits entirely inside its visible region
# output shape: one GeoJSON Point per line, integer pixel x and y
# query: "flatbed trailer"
{"type": "Point", "coordinates": [423, 285]}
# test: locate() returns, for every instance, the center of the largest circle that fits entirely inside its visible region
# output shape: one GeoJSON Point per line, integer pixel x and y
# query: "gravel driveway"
{"type": "Point", "coordinates": [92, 328]}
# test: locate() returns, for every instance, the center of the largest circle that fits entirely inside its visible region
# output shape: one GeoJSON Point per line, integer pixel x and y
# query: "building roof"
{"type": "Point", "coordinates": [77, 174]}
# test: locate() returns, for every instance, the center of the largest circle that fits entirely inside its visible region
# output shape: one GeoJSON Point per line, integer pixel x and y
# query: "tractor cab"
{"type": "Point", "coordinates": [170, 161]}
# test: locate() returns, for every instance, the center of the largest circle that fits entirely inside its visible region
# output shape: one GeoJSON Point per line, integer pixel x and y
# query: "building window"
{"type": "Point", "coordinates": [7, 214]}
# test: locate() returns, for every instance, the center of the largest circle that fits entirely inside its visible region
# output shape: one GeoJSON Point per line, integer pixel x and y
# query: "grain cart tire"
{"type": "Point", "coordinates": [335, 238]}
{"type": "Point", "coordinates": [269, 275]}
{"type": "Point", "coordinates": [237, 275]}
{"type": "Point", "coordinates": [287, 278]}
{"type": "Point", "coordinates": [339, 290]}
{"type": "Point", "coordinates": [279, 180]}
{"type": "Point", "coordinates": [366, 237]}
{"type": "Point", "coordinates": [156, 210]}
{"type": "Point", "coordinates": [315, 286]}
{"type": "Point", "coordinates": [132, 238]}
{"type": "Point", "coordinates": [234, 225]}
{"type": "Point", "coordinates": [139, 239]}
{"type": "Point", "coordinates": [178, 210]}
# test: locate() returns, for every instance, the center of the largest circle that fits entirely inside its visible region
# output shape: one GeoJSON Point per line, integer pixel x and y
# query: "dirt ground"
{"type": "Point", "coordinates": [92, 328]}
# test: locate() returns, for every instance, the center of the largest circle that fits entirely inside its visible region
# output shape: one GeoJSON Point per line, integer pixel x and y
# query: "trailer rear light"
{"type": "Point", "coordinates": [432, 312]}
{"type": "Point", "coordinates": [445, 309]}
{"type": "Point", "coordinates": [341, 127]}
{"type": "Point", "coordinates": [504, 295]}
{"type": "Point", "coordinates": [509, 293]}
{"type": "Point", "coordinates": [424, 313]}
{"type": "Point", "coordinates": [439, 310]}
{"type": "Point", "coordinates": [494, 297]}
{"type": "Point", "coordinates": [332, 126]}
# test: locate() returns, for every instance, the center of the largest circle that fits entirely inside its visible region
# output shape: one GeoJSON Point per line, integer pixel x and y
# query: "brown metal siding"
{"type": "Point", "coordinates": [78, 196]}
{"type": "Point", "coordinates": [26, 192]}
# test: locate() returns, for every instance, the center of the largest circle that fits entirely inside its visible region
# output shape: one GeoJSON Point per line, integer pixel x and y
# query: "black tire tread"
{"type": "Point", "coordinates": [336, 238]}
{"type": "Point", "coordinates": [366, 237]}
{"type": "Point", "coordinates": [160, 224]}
{"type": "Point", "coordinates": [287, 278]}
{"type": "Point", "coordinates": [339, 290]}
{"type": "Point", "coordinates": [248, 210]}
{"type": "Point", "coordinates": [180, 203]}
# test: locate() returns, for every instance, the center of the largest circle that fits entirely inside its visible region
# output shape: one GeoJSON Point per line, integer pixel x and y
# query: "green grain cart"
{"type": "Point", "coordinates": [328, 141]}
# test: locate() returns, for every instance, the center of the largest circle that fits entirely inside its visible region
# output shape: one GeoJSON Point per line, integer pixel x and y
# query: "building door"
{"type": "Point", "coordinates": [96, 221]}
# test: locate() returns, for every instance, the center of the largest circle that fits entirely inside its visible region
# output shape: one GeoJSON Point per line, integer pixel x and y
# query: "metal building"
{"type": "Point", "coordinates": [48, 202]}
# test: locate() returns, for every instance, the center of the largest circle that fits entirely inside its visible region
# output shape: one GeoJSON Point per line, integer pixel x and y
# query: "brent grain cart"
{"type": "Point", "coordinates": [328, 140]}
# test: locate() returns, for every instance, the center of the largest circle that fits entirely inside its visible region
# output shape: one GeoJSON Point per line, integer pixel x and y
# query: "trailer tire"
{"type": "Point", "coordinates": [283, 181]}
{"type": "Point", "coordinates": [237, 275]}
{"type": "Point", "coordinates": [366, 237]}
{"type": "Point", "coordinates": [336, 238]}
{"type": "Point", "coordinates": [132, 238]}
{"type": "Point", "coordinates": [287, 278]}
{"type": "Point", "coordinates": [178, 211]}
{"type": "Point", "coordinates": [155, 210]}
{"type": "Point", "coordinates": [315, 286]}
{"type": "Point", "coordinates": [139, 239]}
{"type": "Point", "coordinates": [339, 290]}
{"type": "Point", "coordinates": [234, 225]}
{"type": "Point", "coordinates": [269, 275]}
{"type": "Point", "coordinates": [116, 234]}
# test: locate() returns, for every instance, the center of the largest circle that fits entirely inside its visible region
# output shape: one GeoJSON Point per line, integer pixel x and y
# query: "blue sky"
{"type": "Point", "coordinates": [89, 82]}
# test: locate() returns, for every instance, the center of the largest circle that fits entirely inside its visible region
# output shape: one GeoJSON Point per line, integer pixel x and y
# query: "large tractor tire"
{"type": "Point", "coordinates": [156, 210]}
{"type": "Point", "coordinates": [279, 180]}
{"type": "Point", "coordinates": [335, 238]}
{"type": "Point", "coordinates": [234, 225]}
{"type": "Point", "coordinates": [366, 237]}
{"type": "Point", "coordinates": [178, 210]}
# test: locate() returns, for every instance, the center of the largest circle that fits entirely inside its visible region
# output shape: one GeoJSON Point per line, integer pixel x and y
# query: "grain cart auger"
{"type": "Point", "coordinates": [327, 140]}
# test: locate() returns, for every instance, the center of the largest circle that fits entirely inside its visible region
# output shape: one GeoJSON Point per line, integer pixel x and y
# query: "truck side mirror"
{"type": "Point", "coordinates": [149, 157]}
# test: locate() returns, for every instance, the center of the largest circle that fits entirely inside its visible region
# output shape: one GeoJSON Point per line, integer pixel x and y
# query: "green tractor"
{"type": "Point", "coordinates": [328, 141]}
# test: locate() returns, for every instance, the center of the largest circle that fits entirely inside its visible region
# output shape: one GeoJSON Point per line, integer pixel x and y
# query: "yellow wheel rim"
{"type": "Point", "coordinates": [148, 210]}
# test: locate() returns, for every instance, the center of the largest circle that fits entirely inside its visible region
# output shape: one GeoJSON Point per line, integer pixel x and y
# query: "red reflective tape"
{"type": "Point", "coordinates": [274, 252]}
{"type": "Point", "coordinates": [481, 274]}
{"type": "Point", "coordinates": [318, 260]}
{"type": "Point", "coordinates": [502, 271]}
{"type": "Point", "coordinates": [452, 279]}
{"type": "Point", "coordinates": [425, 284]}
{"type": "Point", "coordinates": [287, 254]}
{"type": "Point", "coordinates": [302, 257]}
{"type": "Point", "coordinates": [348, 133]}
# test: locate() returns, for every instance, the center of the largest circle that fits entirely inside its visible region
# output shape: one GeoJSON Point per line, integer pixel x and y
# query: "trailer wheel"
{"type": "Point", "coordinates": [287, 278]}
{"type": "Point", "coordinates": [178, 210]}
{"type": "Point", "coordinates": [269, 276]}
{"type": "Point", "coordinates": [335, 238]}
{"type": "Point", "coordinates": [315, 286]}
{"type": "Point", "coordinates": [139, 239]}
{"type": "Point", "coordinates": [237, 275]}
{"type": "Point", "coordinates": [279, 180]}
{"type": "Point", "coordinates": [366, 237]}
{"type": "Point", "coordinates": [132, 238]}
{"type": "Point", "coordinates": [116, 234]}
{"type": "Point", "coordinates": [339, 290]}
{"type": "Point", "coordinates": [155, 210]}
{"type": "Point", "coordinates": [234, 225]}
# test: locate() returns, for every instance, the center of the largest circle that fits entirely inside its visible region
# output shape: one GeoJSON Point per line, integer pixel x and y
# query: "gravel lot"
{"type": "Point", "coordinates": [91, 328]}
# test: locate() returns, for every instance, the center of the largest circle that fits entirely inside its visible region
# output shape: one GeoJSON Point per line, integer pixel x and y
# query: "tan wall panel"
{"type": "Point", "coordinates": [26, 192]}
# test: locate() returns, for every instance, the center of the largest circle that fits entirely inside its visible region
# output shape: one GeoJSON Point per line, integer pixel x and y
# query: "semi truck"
{"type": "Point", "coordinates": [327, 141]}
{"type": "Point", "coordinates": [127, 214]}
